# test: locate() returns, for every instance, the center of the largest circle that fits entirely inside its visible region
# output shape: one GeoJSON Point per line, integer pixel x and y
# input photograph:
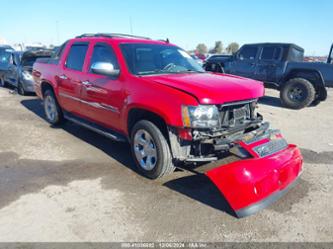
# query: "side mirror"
{"type": "Point", "coordinates": [105, 68]}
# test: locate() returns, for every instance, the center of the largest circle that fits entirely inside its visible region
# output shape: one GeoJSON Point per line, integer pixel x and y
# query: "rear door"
{"type": "Point", "coordinates": [245, 62]}
{"type": "Point", "coordinates": [102, 96]}
{"type": "Point", "coordinates": [70, 77]}
{"type": "Point", "coordinates": [269, 63]}
{"type": "Point", "coordinates": [11, 74]}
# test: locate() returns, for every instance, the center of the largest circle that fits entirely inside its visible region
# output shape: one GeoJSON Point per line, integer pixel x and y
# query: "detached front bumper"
{"type": "Point", "coordinates": [252, 184]}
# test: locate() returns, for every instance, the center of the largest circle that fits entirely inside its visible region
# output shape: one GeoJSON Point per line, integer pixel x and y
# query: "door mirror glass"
{"type": "Point", "coordinates": [105, 68]}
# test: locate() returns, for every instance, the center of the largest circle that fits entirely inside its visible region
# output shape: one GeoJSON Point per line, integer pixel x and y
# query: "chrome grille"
{"type": "Point", "coordinates": [233, 114]}
{"type": "Point", "coordinates": [271, 147]}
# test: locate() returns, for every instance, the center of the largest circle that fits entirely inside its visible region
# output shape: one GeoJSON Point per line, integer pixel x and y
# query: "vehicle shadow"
{"type": "Point", "coordinates": [196, 186]}
{"type": "Point", "coordinates": [117, 150]}
{"type": "Point", "coordinates": [271, 101]}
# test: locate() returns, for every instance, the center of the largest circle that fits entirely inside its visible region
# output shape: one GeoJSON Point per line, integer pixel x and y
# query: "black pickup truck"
{"type": "Point", "coordinates": [279, 66]}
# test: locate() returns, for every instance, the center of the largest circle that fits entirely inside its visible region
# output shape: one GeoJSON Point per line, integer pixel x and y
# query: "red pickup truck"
{"type": "Point", "coordinates": [155, 96]}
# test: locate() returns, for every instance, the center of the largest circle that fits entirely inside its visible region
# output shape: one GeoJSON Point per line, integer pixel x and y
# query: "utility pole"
{"type": "Point", "coordinates": [57, 30]}
{"type": "Point", "coordinates": [131, 25]}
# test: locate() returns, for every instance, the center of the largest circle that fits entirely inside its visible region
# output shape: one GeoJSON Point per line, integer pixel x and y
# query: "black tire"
{"type": "Point", "coordinates": [20, 89]}
{"type": "Point", "coordinates": [58, 117]}
{"type": "Point", "coordinates": [2, 82]}
{"type": "Point", "coordinates": [316, 102]}
{"type": "Point", "coordinates": [163, 165]}
{"type": "Point", "coordinates": [297, 93]}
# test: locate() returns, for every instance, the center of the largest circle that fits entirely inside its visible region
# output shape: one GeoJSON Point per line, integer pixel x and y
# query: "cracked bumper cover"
{"type": "Point", "coordinates": [252, 184]}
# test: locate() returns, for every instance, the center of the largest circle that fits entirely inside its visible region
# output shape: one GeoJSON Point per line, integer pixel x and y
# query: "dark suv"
{"type": "Point", "coordinates": [280, 66]}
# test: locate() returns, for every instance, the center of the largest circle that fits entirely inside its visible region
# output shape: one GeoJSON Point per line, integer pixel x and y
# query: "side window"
{"type": "Point", "coordinates": [104, 53]}
{"type": "Point", "coordinates": [58, 52]}
{"type": "Point", "coordinates": [76, 56]}
{"type": "Point", "coordinates": [17, 59]}
{"type": "Point", "coordinates": [213, 67]}
{"type": "Point", "coordinates": [11, 59]}
{"type": "Point", "coordinates": [248, 53]}
{"type": "Point", "coordinates": [296, 55]}
{"type": "Point", "coordinates": [270, 53]}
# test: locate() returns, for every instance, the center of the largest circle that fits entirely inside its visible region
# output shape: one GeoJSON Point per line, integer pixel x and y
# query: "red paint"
{"type": "Point", "coordinates": [249, 181]}
{"type": "Point", "coordinates": [163, 94]}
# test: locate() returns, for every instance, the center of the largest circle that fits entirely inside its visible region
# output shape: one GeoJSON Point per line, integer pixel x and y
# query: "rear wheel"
{"type": "Point", "coordinates": [297, 93]}
{"type": "Point", "coordinates": [20, 89]}
{"type": "Point", "coordinates": [150, 150]}
{"type": "Point", "coordinates": [2, 82]}
{"type": "Point", "coordinates": [52, 109]}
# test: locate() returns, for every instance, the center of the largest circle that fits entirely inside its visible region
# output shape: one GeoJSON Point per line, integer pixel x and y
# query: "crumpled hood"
{"type": "Point", "coordinates": [210, 88]}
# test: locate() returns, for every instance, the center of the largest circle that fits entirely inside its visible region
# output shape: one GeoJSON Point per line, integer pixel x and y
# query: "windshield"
{"type": "Point", "coordinates": [29, 61]}
{"type": "Point", "coordinates": [4, 56]}
{"type": "Point", "coordinates": [147, 59]}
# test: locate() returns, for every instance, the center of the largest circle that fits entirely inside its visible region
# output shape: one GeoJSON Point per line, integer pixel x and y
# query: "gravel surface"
{"type": "Point", "coordinates": [70, 184]}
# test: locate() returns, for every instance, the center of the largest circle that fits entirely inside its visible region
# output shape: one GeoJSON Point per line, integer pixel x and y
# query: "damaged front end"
{"type": "Point", "coordinates": [264, 165]}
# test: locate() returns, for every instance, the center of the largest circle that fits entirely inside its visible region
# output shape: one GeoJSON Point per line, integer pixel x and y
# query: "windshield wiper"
{"type": "Point", "coordinates": [158, 71]}
{"type": "Point", "coordinates": [190, 71]}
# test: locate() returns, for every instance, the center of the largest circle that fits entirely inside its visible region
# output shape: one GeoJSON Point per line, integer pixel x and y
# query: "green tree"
{"type": "Point", "coordinates": [218, 48]}
{"type": "Point", "coordinates": [202, 48]}
{"type": "Point", "coordinates": [232, 47]}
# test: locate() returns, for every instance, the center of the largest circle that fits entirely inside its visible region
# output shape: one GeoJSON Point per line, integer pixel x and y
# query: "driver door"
{"type": "Point", "coordinates": [245, 63]}
{"type": "Point", "coordinates": [11, 75]}
{"type": "Point", "coordinates": [102, 96]}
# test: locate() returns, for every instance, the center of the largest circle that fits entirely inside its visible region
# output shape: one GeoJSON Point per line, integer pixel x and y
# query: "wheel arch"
{"type": "Point", "coordinates": [46, 85]}
{"type": "Point", "coordinates": [136, 114]}
{"type": "Point", "coordinates": [313, 76]}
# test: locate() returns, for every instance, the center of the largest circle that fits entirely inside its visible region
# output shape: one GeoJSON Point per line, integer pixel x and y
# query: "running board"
{"type": "Point", "coordinates": [95, 127]}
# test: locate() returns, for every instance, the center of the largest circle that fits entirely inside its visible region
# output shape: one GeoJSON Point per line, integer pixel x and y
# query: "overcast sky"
{"type": "Point", "coordinates": [308, 23]}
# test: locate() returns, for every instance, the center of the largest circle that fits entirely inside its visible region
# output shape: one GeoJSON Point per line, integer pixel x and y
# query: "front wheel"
{"type": "Point", "coordinates": [52, 109]}
{"type": "Point", "coordinates": [297, 93]}
{"type": "Point", "coordinates": [2, 82]}
{"type": "Point", "coordinates": [20, 89]}
{"type": "Point", "coordinates": [150, 150]}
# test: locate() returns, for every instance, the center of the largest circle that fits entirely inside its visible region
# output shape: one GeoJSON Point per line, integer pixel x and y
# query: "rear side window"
{"type": "Point", "coordinates": [58, 51]}
{"type": "Point", "coordinates": [271, 53]}
{"type": "Point", "coordinates": [104, 53]}
{"type": "Point", "coordinates": [213, 67]}
{"type": "Point", "coordinates": [76, 56]}
{"type": "Point", "coordinates": [248, 53]}
{"type": "Point", "coordinates": [296, 55]}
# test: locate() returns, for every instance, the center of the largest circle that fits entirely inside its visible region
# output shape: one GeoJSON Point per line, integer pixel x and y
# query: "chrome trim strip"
{"type": "Point", "coordinates": [273, 146]}
{"type": "Point", "coordinates": [69, 97]}
{"type": "Point", "coordinates": [93, 104]}
{"type": "Point", "coordinates": [239, 102]}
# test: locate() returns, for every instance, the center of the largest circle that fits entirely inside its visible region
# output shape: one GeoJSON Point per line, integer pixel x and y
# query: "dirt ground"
{"type": "Point", "coordinates": [70, 184]}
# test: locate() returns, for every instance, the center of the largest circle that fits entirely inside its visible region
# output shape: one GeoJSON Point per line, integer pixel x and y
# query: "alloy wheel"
{"type": "Point", "coordinates": [145, 150]}
{"type": "Point", "coordinates": [50, 108]}
{"type": "Point", "coordinates": [296, 94]}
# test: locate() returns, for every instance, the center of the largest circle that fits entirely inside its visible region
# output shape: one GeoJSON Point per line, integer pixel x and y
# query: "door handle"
{"type": "Point", "coordinates": [63, 77]}
{"type": "Point", "coordinates": [86, 83]}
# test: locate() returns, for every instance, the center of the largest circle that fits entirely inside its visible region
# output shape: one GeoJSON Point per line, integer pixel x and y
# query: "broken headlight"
{"type": "Point", "coordinates": [202, 116]}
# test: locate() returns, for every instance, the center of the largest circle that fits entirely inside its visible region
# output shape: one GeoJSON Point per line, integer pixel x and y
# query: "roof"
{"type": "Point", "coordinates": [275, 44]}
{"type": "Point", "coordinates": [5, 46]}
{"type": "Point", "coordinates": [37, 53]}
{"type": "Point", "coordinates": [121, 37]}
